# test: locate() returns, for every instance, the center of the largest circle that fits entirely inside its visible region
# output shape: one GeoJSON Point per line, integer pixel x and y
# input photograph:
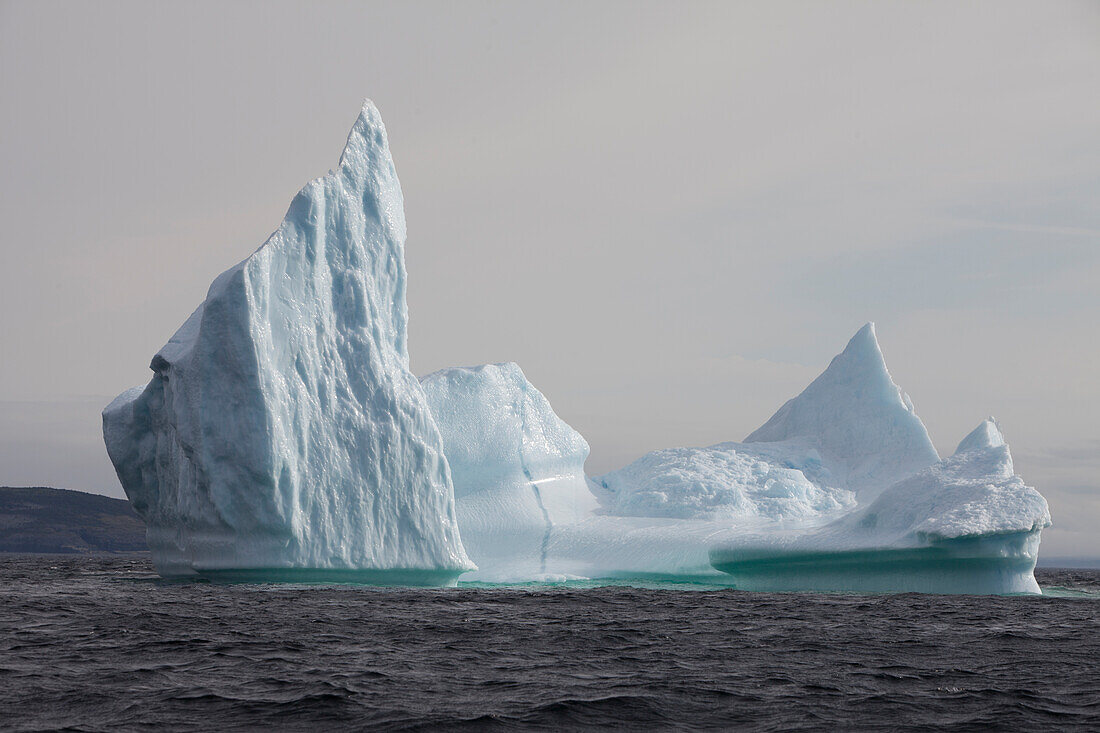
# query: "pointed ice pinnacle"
{"type": "Point", "coordinates": [986, 435]}
{"type": "Point", "coordinates": [282, 434]}
{"type": "Point", "coordinates": [858, 418]}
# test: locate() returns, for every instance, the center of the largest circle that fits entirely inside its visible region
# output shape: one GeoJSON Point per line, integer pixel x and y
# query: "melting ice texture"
{"type": "Point", "coordinates": [732, 481]}
{"type": "Point", "coordinates": [840, 490]}
{"type": "Point", "coordinates": [282, 435]}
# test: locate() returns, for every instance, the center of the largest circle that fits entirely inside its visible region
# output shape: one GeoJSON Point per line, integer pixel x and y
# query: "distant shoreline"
{"type": "Point", "coordinates": [44, 520]}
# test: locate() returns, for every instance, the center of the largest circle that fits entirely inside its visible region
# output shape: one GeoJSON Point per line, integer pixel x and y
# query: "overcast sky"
{"type": "Point", "coordinates": [670, 215]}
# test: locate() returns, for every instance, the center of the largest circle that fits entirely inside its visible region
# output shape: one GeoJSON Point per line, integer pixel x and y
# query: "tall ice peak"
{"type": "Point", "coordinates": [858, 417]}
{"type": "Point", "coordinates": [282, 434]}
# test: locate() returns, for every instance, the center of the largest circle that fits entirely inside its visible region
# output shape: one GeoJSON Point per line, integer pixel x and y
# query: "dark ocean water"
{"type": "Point", "coordinates": [101, 644]}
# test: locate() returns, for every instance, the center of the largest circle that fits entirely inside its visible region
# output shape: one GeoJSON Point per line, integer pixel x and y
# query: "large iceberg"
{"type": "Point", "coordinates": [282, 435]}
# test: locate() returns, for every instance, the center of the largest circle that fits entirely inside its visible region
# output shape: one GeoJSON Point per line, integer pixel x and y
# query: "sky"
{"type": "Point", "coordinates": [671, 215]}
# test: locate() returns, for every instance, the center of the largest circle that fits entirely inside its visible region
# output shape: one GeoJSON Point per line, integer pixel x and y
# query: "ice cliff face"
{"type": "Point", "coordinates": [282, 430]}
{"type": "Point", "coordinates": [499, 430]}
{"type": "Point", "coordinates": [518, 468]}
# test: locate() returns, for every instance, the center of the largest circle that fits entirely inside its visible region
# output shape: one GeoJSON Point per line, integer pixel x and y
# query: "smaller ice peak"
{"type": "Point", "coordinates": [986, 435]}
{"type": "Point", "coordinates": [864, 348]}
{"type": "Point", "coordinates": [858, 417]}
{"type": "Point", "coordinates": [966, 524]}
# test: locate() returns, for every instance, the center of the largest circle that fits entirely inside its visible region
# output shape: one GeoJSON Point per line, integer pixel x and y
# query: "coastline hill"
{"type": "Point", "coordinates": [40, 519]}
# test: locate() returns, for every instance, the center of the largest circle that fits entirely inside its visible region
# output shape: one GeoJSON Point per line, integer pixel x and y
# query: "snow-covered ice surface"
{"type": "Point", "coordinates": [974, 492]}
{"type": "Point", "coordinates": [733, 481]}
{"type": "Point", "coordinates": [849, 434]}
{"type": "Point", "coordinates": [967, 524]}
{"type": "Point", "coordinates": [282, 435]}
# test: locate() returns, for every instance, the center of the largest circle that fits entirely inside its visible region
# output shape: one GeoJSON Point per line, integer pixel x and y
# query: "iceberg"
{"type": "Point", "coordinates": [282, 435]}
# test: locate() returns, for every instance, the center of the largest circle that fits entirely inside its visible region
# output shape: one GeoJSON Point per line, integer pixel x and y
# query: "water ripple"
{"type": "Point", "coordinates": [99, 643]}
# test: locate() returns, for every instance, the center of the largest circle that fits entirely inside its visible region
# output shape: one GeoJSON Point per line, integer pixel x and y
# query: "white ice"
{"type": "Point", "coordinates": [965, 525]}
{"type": "Point", "coordinates": [728, 481]}
{"type": "Point", "coordinates": [840, 490]}
{"type": "Point", "coordinates": [518, 469]}
{"type": "Point", "coordinates": [863, 424]}
{"type": "Point", "coordinates": [282, 434]}
{"type": "Point", "coordinates": [974, 492]}
{"type": "Point", "coordinates": [283, 437]}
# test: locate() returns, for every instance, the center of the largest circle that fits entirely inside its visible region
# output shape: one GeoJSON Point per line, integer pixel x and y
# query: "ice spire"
{"type": "Point", "coordinates": [282, 430]}
{"type": "Point", "coordinates": [855, 414]}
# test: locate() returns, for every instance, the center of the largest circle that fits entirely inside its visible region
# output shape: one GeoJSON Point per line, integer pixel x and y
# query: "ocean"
{"type": "Point", "coordinates": [100, 643]}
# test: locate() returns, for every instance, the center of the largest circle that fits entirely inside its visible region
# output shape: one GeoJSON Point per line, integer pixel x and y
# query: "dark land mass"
{"type": "Point", "coordinates": [39, 519]}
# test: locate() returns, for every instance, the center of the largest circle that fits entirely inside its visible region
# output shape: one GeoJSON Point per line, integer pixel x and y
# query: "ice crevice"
{"type": "Point", "coordinates": [544, 548]}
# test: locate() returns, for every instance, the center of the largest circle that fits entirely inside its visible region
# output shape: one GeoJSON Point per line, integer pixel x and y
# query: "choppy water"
{"type": "Point", "coordinates": [100, 643]}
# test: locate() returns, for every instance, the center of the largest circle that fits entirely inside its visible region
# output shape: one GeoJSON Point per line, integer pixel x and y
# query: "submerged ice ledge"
{"type": "Point", "coordinates": [283, 438]}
